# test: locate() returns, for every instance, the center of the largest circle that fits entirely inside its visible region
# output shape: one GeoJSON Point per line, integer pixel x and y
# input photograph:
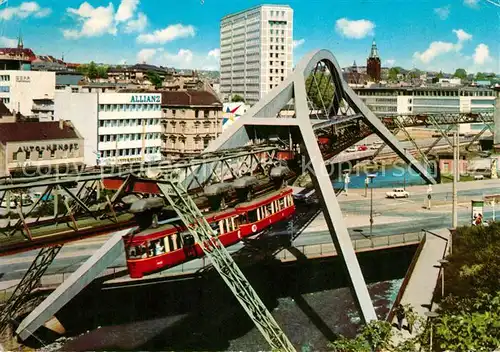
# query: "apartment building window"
{"type": "Point", "coordinates": [282, 63]}
{"type": "Point", "coordinates": [282, 71]}
{"type": "Point", "coordinates": [173, 112]}
{"type": "Point", "coordinates": [14, 156]}
{"type": "Point", "coordinates": [271, 70]}
{"type": "Point", "coordinates": [271, 55]}
{"type": "Point", "coordinates": [270, 86]}
{"type": "Point", "coordinates": [270, 63]}
{"type": "Point", "coordinates": [52, 154]}
{"type": "Point", "coordinates": [206, 113]}
{"type": "Point", "coordinates": [28, 155]}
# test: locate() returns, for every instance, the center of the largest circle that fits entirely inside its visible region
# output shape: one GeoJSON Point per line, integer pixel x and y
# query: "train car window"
{"type": "Point", "coordinates": [228, 225]}
{"type": "Point", "coordinates": [252, 216]}
{"type": "Point", "coordinates": [282, 204]}
{"type": "Point", "coordinates": [259, 214]}
{"type": "Point", "coordinates": [132, 253]}
{"type": "Point", "coordinates": [166, 243]}
{"type": "Point", "coordinates": [221, 227]}
{"type": "Point", "coordinates": [236, 221]}
{"type": "Point", "coordinates": [233, 225]}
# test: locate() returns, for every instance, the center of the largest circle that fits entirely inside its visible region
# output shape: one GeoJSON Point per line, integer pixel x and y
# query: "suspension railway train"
{"type": "Point", "coordinates": [171, 244]}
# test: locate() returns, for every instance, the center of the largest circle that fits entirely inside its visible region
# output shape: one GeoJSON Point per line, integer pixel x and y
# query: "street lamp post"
{"type": "Point", "coordinates": [370, 181]}
{"type": "Point", "coordinates": [431, 315]}
{"type": "Point", "coordinates": [443, 263]}
{"type": "Point", "coordinates": [404, 175]}
{"type": "Point", "coordinates": [367, 181]}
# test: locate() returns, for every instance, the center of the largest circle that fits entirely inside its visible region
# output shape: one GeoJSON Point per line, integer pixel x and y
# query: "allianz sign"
{"type": "Point", "coordinates": [145, 99]}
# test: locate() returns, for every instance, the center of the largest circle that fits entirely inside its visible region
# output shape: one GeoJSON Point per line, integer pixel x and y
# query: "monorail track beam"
{"type": "Point", "coordinates": [29, 282]}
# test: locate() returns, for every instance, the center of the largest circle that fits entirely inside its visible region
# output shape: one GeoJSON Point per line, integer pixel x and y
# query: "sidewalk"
{"type": "Point", "coordinates": [420, 288]}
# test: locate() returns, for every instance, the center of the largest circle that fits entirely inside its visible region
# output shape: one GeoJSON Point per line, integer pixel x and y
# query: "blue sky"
{"type": "Point", "coordinates": [434, 35]}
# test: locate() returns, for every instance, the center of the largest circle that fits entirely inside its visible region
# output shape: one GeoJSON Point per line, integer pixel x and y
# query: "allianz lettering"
{"type": "Point", "coordinates": [145, 99]}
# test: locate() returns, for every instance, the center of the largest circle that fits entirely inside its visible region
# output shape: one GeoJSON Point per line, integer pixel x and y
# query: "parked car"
{"type": "Point", "coordinates": [397, 193]}
{"type": "Point", "coordinates": [374, 147]}
{"type": "Point", "coordinates": [362, 148]}
{"type": "Point", "coordinates": [351, 150]}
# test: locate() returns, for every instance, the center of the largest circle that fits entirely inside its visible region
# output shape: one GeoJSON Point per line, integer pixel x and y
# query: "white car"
{"type": "Point", "coordinates": [397, 193]}
{"type": "Point", "coordinates": [351, 150]}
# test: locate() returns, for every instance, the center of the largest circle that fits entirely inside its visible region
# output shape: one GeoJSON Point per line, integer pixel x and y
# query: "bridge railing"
{"type": "Point", "coordinates": [360, 245]}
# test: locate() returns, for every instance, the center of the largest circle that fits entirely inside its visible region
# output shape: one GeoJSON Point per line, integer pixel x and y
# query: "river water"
{"type": "Point", "coordinates": [309, 300]}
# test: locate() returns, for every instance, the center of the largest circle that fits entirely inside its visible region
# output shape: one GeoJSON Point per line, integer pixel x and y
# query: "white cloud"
{"type": "Point", "coordinates": [94, 21]}
{"type": "Point", "coordinates": [8, 42]}
{"type": "Point", "coordinates": [442, 12]}
{"type": "Point", "coordinates": [482, 54]}
{"type": "Point", "coordinates": [462, 35]}
{"type": "Point", "coordinates": [167, 34]}
{"type": "Point", "coordinates": [25, 10]}
{"type": "Point", "coordinates": [145, 55]}
{"type": "Point", "coordinates": [435, 49]}
{"type": "Point", "coordinates": [126, 10]}
{"type": "Point", "coordinates": [215, 53]}
{"type": "Point", "coordinates": [389, 62]}
{"type": "Point", "coordinates": [438, 48]}
{"type": "Point", "coordinates": [356, 29]}
{"type": "Point", "coordinates": [183, 59]}
{"type": "Point", "coordinates": [471, 3]}
{"type": "Point", "coordinates": [137, 25]}
{"type": "Point", "coordinates": [297, 43]}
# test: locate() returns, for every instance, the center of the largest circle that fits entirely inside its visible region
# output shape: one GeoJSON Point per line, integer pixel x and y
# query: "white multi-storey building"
{"type": "Point", "coordinates": [118, 128]}
{"type": "Point", "coordinates": [256, 51]}
{"type": "Point", "coordinates": [385, 101]}
{"type": "Point", "coordinates": [28, 92]}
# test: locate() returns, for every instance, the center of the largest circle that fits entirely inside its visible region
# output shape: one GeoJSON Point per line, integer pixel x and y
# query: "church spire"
{"type": "Point", "coordinates": [20, 43]}
{"type": "Point", "coordinates": [374, 51]}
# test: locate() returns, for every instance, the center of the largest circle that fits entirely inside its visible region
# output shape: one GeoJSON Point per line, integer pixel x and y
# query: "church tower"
{"type": "Point", "coordinates": [373, 66]}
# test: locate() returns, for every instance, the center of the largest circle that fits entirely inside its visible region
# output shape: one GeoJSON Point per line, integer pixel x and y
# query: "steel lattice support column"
{"type": "Point", "coordinates": [222, 261]}
{"type": "Point", "coordinates": [29, 282]}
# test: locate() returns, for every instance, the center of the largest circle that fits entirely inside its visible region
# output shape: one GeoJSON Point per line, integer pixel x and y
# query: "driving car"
{"type": "Point", "coordinates": [397, 193]}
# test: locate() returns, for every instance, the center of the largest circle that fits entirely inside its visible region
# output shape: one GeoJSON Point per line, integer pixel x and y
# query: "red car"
{"type": "Point", "coordinates": [362, 148]}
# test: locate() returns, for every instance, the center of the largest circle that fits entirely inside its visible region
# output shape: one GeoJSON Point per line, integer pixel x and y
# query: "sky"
{"type": "Point", "coordinates": [431, 35]}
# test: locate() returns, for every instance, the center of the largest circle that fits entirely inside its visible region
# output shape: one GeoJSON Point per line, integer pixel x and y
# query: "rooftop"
{"type": "Point", "coordinates": [254, 8]}
{"type": "Point", "coordinates": [189, 98]}
{"type": "Point", "coordinates": [35, 131]}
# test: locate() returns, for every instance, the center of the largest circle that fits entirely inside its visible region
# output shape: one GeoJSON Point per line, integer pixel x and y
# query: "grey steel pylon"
{"type": "Point", "coordinates": [265, 113]}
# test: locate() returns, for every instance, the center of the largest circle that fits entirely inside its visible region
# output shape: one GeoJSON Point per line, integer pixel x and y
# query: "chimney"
{"type": "Point", "coordinates": [61, 124]}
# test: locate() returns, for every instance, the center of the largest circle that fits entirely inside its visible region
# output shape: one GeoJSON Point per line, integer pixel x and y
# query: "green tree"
{"type": "Point", "coordinates": [237, 99]}
{"type": "Point", "coordinates": [102, 71]}
{"type": "Point", "coordinates": [155, 79]}
{"type": "Point", "coordinates": [92, 72]}
{"type": "Point", "coordinates": [440, 75]}
{"type": "Point", "coordinates": [393, 73]}
{"type": "Point", "coordinates": [320, 90]}
{"type": "Point", "coordinates": [480, 76]}
{"type": "Point", "coordinates": [460, 73]}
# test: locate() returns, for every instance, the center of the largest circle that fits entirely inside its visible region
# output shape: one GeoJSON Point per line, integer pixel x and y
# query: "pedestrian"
{"type": "Point", "coordinates": [400, 315]}
{"type": "Point", "coordinates": [410, 318]}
